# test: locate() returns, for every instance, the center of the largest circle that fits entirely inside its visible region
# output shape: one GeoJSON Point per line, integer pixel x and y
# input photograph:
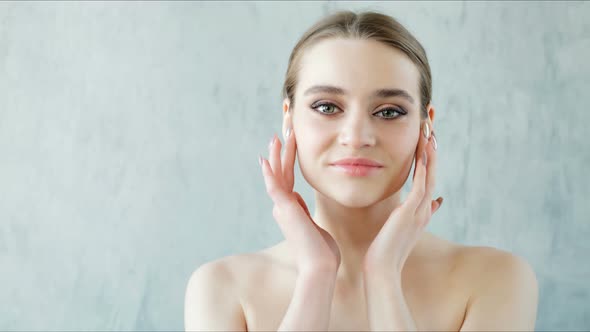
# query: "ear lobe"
{"type": "Point", "coordinates": [286, 106]}
{"type": "Point", "coordinates": [431, 113]}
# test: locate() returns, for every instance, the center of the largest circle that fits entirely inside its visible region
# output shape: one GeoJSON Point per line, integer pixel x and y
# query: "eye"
{"type": "Point", "coordinates": [325, 107]}
{"type": "Point", "coordinates": [392, 112]}
{"type": "Point", "coordinates": [329, 108]}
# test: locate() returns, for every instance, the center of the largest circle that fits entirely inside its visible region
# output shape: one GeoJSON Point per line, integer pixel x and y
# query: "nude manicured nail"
{"type": "Point", "coordinates": [426, 130]}
{"type": "Point", "coordinates": [288, 132]}
{"type": "Point", "coordinates": [434, 144]}
{"type": "Point", "coordinates": [424, 158]}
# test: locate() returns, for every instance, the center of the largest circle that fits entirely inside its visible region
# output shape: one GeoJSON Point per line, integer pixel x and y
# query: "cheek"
{"type": "Point", "coordinates": [308, 124]}
{"type": "Point", "coordinates": [310, 155]}
{"type": "Point", "coordinates": [401, 144]}
{"type": "Point", "coordinates": [310, 135]}
{"type": "Point", "coordinates": [308, 151]}
{"type": "Point", "coordinates": [308, 158]}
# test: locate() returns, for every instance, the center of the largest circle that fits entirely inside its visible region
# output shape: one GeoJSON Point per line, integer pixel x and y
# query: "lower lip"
{"type": "Point", "coordinates": [357, 170]}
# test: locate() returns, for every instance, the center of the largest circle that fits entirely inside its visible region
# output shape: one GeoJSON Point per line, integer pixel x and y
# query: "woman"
{"type": "Point", "coordinates": [357, 112]}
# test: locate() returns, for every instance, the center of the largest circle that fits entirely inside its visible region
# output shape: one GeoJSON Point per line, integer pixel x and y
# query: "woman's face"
{"type": "Point", "coordinates": [330, 125]}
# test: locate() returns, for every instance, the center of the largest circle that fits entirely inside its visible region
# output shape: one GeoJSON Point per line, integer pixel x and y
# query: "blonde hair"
{"type": "Point", "coordinates": [364, 25]}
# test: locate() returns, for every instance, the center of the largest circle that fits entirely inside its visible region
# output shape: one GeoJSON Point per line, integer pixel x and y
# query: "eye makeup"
{"type": "Point", "coordinates": [398, 110]}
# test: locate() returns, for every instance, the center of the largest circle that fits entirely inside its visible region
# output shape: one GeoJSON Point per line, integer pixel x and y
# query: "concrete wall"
{"type": "Point", "coordinates": [130, 131]}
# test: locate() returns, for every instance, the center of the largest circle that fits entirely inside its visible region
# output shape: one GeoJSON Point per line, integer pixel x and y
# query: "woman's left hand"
{"type": "Point", "coordinates": [398, 236]}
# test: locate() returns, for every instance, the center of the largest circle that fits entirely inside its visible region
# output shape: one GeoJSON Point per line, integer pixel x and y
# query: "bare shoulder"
{"type": "Point", "coordinates": [212, 298]}
{"type": "Point", "coordinates": [494, 265]}
{"type": "Point", "coordinates": [500, 282]}
{"type": "Point", "coordinates": [230, 273]}
{"type": "Point", "coordinates": [482, 268]}
{"type": "Point", "coordinates": [227, 272]}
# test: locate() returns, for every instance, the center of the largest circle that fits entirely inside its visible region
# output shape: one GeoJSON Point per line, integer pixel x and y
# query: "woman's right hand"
{"type": "Point", "coordinates": [315, 248]}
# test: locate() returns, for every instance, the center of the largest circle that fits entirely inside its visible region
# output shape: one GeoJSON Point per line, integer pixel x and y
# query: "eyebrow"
{"type": "Point", "coordinates": [381, 93]}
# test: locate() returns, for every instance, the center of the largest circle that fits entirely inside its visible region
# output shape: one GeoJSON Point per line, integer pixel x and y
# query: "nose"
{"type": "Point", "coordinates": [357, 130]}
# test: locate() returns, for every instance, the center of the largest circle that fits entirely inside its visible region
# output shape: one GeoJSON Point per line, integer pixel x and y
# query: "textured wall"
{"type": "Point", "coordinates": [129, 137]}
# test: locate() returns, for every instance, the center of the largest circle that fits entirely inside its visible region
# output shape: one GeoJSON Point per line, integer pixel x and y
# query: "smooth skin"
{"type": "Point", "coordinates": [317, 250]}
{"type": "Point", "coordinates": [363, 260]}
{"type": "Point", "coordinates": [329, 126]}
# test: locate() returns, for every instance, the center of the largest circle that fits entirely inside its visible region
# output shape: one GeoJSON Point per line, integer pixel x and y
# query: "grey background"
{"type": "Point", "coordinates": [130, 131]}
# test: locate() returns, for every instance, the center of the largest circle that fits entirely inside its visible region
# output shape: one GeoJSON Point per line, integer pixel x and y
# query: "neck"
{"type": "Point", "coordinates": [353, 229]}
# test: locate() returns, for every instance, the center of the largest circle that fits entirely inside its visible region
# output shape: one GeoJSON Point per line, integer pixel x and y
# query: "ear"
{"type": "Point", "coordinates": [431, 113]}
{"type": "Point", "coordinates": [287, 116]}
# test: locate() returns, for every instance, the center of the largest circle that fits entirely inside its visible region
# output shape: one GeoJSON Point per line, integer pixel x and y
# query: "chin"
{"type": "Point", "coordinates": [352, 196]}
{"type": "Point", "coordinates": [355, 202]}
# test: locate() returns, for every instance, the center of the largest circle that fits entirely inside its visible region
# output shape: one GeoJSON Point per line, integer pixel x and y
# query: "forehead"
{"type": "Point", "coordinates": [360, 66]}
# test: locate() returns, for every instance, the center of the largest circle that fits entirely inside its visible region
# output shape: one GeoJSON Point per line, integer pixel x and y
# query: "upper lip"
{"type": "Point", "coordinates": [358, 161]}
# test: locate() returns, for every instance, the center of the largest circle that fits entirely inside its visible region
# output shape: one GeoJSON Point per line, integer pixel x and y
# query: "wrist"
{"type": "Point", "coordinates": [317, 280]}
{"type": "Point", "coordinates": [318, 272]}
{"type": "Point", "coordinates": [382, 276]}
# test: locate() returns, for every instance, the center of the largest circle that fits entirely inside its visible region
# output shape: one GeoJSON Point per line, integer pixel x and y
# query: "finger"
{"type": "Point", "coordinates": [418, 189]}
{"type": "Point", "coordinates": [435, 205]}
{"type": "Point", "coordinates": [417, 156]}
{"type": "Point", "coordinates": [288, 161]}
{"type": "Point", "coordinates": [430, 176]}
{"type": "Point", "coordinates": [421, 142]}
{"type": "Point", "coordinates": [275, 160]}
{"type": "Point", "coordinates": [418, 186]}
{"type": "Point", "coordinates": [273, 187]}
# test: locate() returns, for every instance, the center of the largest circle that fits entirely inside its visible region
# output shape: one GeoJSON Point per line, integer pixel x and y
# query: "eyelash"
{"type": "Point", "coordinates": [401, 112]}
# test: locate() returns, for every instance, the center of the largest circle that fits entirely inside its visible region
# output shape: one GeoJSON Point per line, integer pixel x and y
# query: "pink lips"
{"type": "Point", "coordinates": [357, 166]}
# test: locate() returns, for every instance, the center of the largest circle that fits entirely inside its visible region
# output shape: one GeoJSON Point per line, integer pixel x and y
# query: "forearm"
{"type": "Point", "coordinates": [309, 309]}
{"type": "Point", "coordinates": [386, 306]}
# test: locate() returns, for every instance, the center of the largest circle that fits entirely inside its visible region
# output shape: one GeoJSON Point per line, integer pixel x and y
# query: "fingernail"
{"type": "Point", "coordinates": [434, 144]}
{"type": "Point", "coordinates": [288, 132]}
{"type": "Point", "coordinates": [424, 158]}
{"type": "Point", "coordinates": [272, 140]}
{"type": "Point", "coordinates": [426, 130]}
{"type": "Point", "coordinates": [260, 160]}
